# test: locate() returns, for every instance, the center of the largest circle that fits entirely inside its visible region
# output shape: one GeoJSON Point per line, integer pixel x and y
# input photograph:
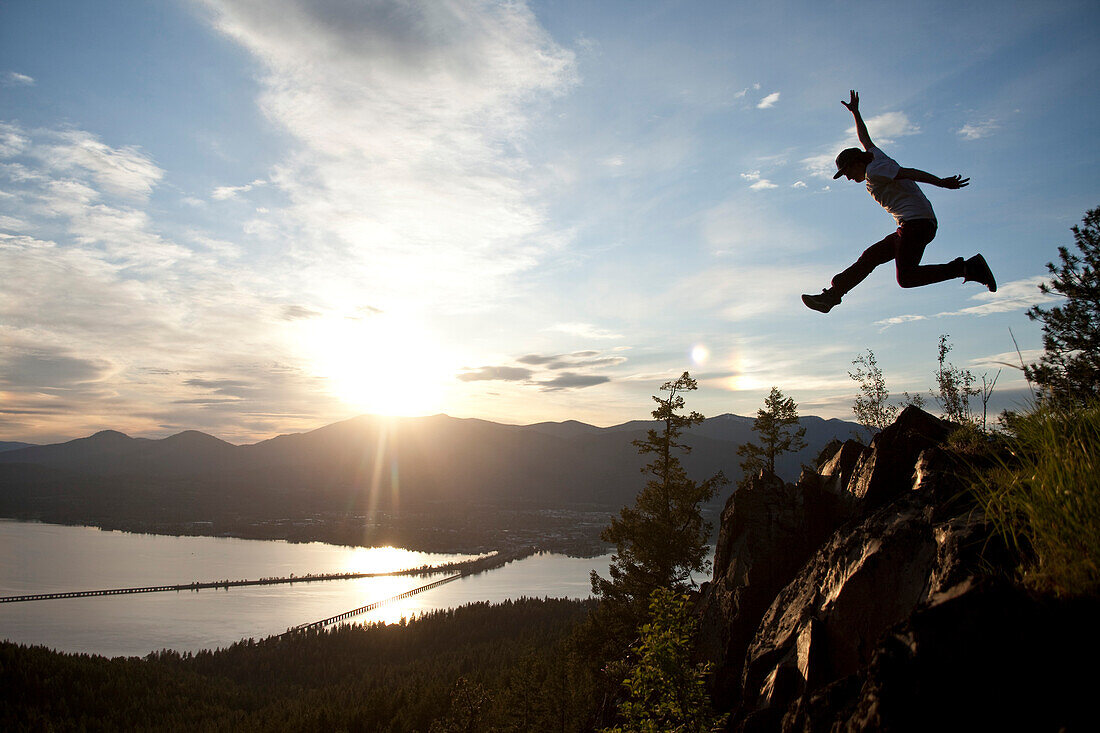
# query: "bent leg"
{"type": "Point", "coordinates": [877, 254]}
{"type": "Point", "coordinates": [913, 237]}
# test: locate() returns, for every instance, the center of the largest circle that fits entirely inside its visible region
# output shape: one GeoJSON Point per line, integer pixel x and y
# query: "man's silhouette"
{"type": "Point", "coordinates": [896, 190]}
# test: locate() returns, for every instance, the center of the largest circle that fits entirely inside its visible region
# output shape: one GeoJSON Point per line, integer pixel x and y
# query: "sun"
{"type": "Point", "coordinates": [380, 363]}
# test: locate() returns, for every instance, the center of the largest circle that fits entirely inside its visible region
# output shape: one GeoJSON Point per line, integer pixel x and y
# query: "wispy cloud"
{"type": "Point", "coordinates": [746, 90]}
{"type": "Point", "coordinates": [15, 79]}
{"type": "Point", "coordinates": [496, 373]}
{"type": "Point", "coordinates": [12, 140]}
{"type": "Point", "coordinates": [1012, 296]}
{"type": "Point", "coordinates": [550, 372]}
{"type": "Point", "coordinates": [101, 309]}
{"type": "Point", "coordinates": [758, 183]}
{"type": "Point", "coordinates": [125, 171]}
{"type": "Point", "coordinates": [884, 129]}
{"type": "Point", "coordinates": [569, 380]}
{"type": "Point", "coordinates": [585, 330]}
{"type": "Point", "coordinates": [221, 193]}
{"type": "Point", "coordinates": [979, 129]}
{"type": "Point", "coordinates": [406, 118]}
{"type": "Point", "coordinates": [768, 101]}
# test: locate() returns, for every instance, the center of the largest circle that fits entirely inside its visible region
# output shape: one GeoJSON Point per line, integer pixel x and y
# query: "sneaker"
{"type": "Point", "coordinates": [977, 270]}
{"type": "Point", "coordinates": [822, 303]}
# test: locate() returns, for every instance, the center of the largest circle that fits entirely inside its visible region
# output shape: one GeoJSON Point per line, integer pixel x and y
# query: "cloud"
{"type": "Point", "coordinates": [221, 193]}
{"type": "Point", "coordinates": [585, 330]}
{"type": "Point", "coordinates": [884, 130]}
{"type": "Point", "coordinates": [1007, 359]}
{"type": "Point", "coordinates": [888, 127]}
{"type": "Point", "coordinates": [1011, 296]}
{"type": "Point", "coordinates": [497, 373]}
{"type": "Point", "coordinates": [569, 380]}
{"type": "Point", "coordinates": [768, 101]}
{"type": "Point", "coordinates": [574, 360]}
{"type": "Point", "coordinates": [406, 118]}
{"type": "Point", "coordinates": [745, 91]}
{"type": "Point", "coordinates": [12, 140]}
{"type": "Point", "coordinates": [799, 184]}
{"type": "Point", "coordinates": [978, 130]}
{"type": "Point", "coordinates": [50, 370]}
{"type": "Point", "coordinates": [15, 79]}
{"type": "Point", "coordinates": [759, 184]}
{"type": "Point", "coordinates": [125, 171]}
{"type": "Point", "coordinates": [299, 312]}
{"type": "Point", "coordinates": [107, 282]}
{"type": "Point", "coordinates": [567, 371]}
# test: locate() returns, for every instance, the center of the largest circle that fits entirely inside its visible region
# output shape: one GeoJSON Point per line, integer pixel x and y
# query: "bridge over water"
{"type": "Point", "coordinates": [467, 567]}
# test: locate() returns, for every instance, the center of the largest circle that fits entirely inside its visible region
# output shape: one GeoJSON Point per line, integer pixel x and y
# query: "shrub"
{"type": "Point", "coordinates": [1044, 497]}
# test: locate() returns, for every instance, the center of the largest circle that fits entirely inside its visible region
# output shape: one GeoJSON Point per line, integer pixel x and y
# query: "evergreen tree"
{"type": "Point", "coordinates": [662, 539]}
{"type": "Point", "coordinates": [1069, 370]}
{"type": "Point", "coordinates": [777, 425]}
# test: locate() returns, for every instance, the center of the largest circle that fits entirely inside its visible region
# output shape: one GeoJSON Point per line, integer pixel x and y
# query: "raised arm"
{"type": "Point", "coordinates": [861, 129]}
{"type": "Point", "coordinates": [915, 174]}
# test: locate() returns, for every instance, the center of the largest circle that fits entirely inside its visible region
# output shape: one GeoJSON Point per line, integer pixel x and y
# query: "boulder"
{"type": "Point", "coordinates": [885, 471]}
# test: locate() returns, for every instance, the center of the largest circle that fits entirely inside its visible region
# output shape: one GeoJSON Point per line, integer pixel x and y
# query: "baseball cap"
{"type": "Point", "coordinates": [845, 159]}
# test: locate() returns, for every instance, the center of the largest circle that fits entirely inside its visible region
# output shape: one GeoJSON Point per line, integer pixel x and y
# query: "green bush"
{"type": "Point", "coordinates": [1044, 497]}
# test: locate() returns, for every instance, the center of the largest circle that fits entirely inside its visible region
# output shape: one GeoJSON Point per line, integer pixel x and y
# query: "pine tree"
{"type": "Point", "coordinates": [777, 425]}
{"type": "Point", "coordinates": [1069, 370]}
{"type": "Point", "coordinates": [662, 539]}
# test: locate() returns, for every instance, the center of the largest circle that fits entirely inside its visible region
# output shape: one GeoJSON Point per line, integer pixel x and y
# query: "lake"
{"type": "Point", "coordinates": [45, 558]}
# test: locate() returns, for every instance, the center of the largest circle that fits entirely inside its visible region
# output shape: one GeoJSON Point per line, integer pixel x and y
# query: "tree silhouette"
{"type": "Point", "coordinates": [661, 540]}
{"type": "Point", "coordinates": [777, 425]}
{"type": "Point", "coordinates": [1069, 369]}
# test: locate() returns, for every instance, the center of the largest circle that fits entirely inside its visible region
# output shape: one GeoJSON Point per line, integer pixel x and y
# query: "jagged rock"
{"type": "Point", "coordinates": [768, 531]}
{"type": "Point", "coordinates": [983, 655]}
{"type": "Point", "coordinates": [860, 598]}
{"type": "Point", "coordinates": [826, 624]}
{"type": "Point", "coordinates": [886, 469]}
{"type": "Point", "coordinates": [837, 471]}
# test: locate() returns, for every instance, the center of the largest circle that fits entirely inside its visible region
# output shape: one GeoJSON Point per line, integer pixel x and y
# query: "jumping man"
{"type": "Point", "coordinates": [896, 190]}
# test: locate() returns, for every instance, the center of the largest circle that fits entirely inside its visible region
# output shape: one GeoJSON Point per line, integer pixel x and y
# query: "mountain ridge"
{"type": "Point", "coordinates": [442, 468]}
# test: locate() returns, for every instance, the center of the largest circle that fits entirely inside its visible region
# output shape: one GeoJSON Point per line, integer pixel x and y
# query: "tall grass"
{"type": "Point", "coordinates": [1044, 496]}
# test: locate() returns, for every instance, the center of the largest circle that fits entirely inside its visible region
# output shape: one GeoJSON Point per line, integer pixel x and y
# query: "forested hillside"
{"type": "Point", "coordinates": [503, 667]}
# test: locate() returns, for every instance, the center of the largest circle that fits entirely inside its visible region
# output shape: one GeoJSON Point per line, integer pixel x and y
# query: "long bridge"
{"type": "Point", "coordinates": [467, 567]}
{"type": "Point", "coordinates": [371, 606]}
{"type": "Point", "coordinates": [192, 586]}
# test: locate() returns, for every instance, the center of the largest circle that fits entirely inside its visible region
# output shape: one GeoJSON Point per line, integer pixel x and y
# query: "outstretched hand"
{"type": "Point", "coordinates": [853, 104]}
{"type": "Point", "coordinates": [955, 181]}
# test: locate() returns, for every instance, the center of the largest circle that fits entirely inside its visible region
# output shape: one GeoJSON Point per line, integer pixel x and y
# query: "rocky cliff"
{"type": "Point", "coordinates": [872, 595]}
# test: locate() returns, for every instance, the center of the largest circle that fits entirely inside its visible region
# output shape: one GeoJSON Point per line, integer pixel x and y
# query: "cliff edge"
{"type": "Point", "coordinates": [873, 595]}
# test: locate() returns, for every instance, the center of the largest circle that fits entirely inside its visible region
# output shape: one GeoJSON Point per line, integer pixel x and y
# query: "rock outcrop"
{"type": "Point", "coordinates": [858, 597]}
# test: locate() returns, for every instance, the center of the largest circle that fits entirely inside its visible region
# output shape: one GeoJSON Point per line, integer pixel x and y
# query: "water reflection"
{"type": "Point", "coordinates": [50, 558]}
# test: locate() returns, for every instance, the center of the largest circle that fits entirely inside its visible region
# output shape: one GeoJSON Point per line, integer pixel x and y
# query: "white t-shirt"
{"type": "Point", "coordinates": [903, 199]}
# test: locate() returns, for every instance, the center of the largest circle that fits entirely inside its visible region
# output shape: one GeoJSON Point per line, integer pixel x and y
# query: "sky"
{"type": "Point", "coordinates": [258, 217]}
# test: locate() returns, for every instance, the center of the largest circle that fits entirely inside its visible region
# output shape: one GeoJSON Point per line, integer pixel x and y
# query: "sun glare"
{"type": "Point", "coordinates": [380, 363]}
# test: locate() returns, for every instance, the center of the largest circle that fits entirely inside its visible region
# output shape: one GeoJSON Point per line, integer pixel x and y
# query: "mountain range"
{"type": "Point", "coordinates": [363, 464]}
